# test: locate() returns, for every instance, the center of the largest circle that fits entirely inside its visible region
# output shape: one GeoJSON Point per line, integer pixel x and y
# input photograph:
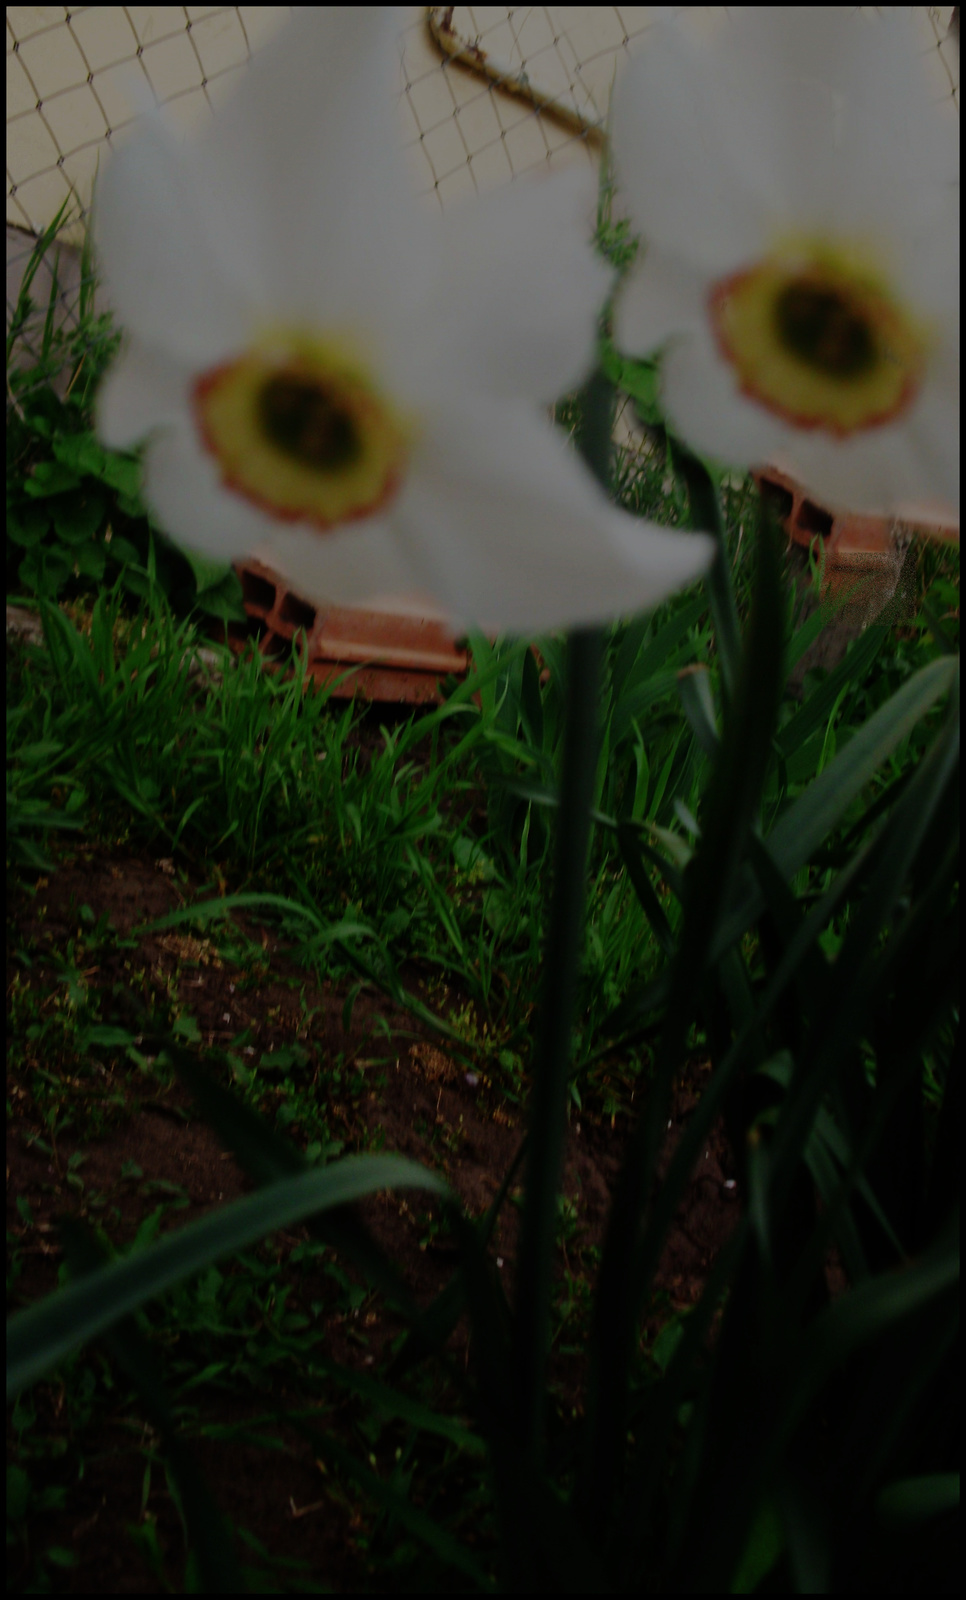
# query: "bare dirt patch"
{"type": "Point", "coordinates": [95, 1135]}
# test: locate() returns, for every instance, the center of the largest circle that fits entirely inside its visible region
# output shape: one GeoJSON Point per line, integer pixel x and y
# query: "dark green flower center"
{"type": "Point", "coordinates": [308, 423]}
{"type": "Point", "coordinates": [826, 330]}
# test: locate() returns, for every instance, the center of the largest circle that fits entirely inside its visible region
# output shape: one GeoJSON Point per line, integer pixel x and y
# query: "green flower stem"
{"type": "Point", "coordinates": [548, 1108]}
{"type": "Point", "coordinates": [706, 515]}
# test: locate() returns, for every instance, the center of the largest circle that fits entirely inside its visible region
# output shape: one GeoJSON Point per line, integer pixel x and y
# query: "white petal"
{"type": "Point", "coordinates": [925, 273]}
{"type": "Point", "coordinates": [793, 118]}
{"type": "Point", "coordinates": [842, 478]}
{"type": "Point", "coordinates": [934, 424]}
{"type": "Point", "coordinates": [887, 470]}
{"type": "Point", "coordinates": [498, 521]}
{"type": "Point", "coordinates": [301, 176]}
{"type": "Point", "coordinates": [662, 296]}
{"type": "Point", "coordinates": [509, 531]}
{"type": "Point", "coordinates": [142, 391]}
{"type": "Point", "coordinates": [184, 492]}
{"type": "Point", "coordinates": [690, 172]}
{"type": "Point", "coordinates": [520, 288]}
{"type": "Point", "coordinates": [705, 406]}
{"type": "Point", "coordinates": [166, 279]}
{"type": "Point", "coordinates": [842, 103]}
{"type": "Point", "coordinates": [187, 499]}
{"type": "Point", "coordinates": [906, 469]}
{"type": "Point", "coordinates": [291, 207]}
{"type": "Point", "coordinates": [795, 70]}
{"type": "Point", "coordinates": [796, 120]}
{"type": "Point", "coordinates": [357, 564]}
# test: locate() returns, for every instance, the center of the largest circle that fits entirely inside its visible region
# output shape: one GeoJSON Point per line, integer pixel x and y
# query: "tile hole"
{"type": "Point", "coordinates": [812, 519]}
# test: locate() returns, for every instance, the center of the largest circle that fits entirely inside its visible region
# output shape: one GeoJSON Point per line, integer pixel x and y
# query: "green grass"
{"type": "Point", "coordinates": [256, 785]}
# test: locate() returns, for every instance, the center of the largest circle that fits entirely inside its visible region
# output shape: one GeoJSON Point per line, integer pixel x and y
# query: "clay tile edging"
{"type": "Point", "coordinates": [388, 655]}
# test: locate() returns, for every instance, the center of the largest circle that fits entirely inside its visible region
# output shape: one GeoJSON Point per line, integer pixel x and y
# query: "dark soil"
{"type": "Point", "coordinates": [386, 1084]}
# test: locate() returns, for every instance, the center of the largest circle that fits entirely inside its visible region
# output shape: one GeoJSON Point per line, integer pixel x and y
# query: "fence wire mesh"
{"type": "Point", "coordinates": [487, 94]}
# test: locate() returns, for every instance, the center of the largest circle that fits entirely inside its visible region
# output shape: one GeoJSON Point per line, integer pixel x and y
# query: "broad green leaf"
{"type": "Point", "coordinates": [632, 856]}
{"type": "Point", "coordinates": [806, 636]}
{"type": "Point", "coordinates": [26, 525]}
{"type": "Point", "coordinates": [123, 551]}
{"type": "Point", "coordinates": [48, 478]}
{"type": "Point", "coordinates": [45, 571]}
{"type": "Point", "coordinates": [631, 1251]}
{"type": "Point", "coordinates": [90, 561]}
{"type": "Point", "coordinates": [81, 453]}
{"type": "Point", "coordinates": [207, 574]}
{"type": "Point", "coordinates": [103, 1034]}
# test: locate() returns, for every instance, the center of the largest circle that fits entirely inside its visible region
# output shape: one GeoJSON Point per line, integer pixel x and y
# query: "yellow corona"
{"type": "Point", "coordinates": [299, 428]}
{"type": "Point", "coordinates": [818, 342]}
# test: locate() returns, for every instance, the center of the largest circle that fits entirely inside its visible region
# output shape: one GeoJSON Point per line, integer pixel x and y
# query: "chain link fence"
{"type": "Point", "coordinates": [487, 94]}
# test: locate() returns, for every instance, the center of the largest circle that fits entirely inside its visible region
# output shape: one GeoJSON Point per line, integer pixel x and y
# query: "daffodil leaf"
{"type": "Point", "coordinates": [765, 1544]}
{"type": "Point", "coordinates": [41, 1336]}
{"type": "Point", "coordinates": [694, 687]}
{"type": "Point", "coordinates": [914, 1500]}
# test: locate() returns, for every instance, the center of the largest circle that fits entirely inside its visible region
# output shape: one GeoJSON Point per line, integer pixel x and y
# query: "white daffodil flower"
{"type": "Point", "coordinates": [797, 187]}
{"type": "Point", "coordinates": [346, 387]}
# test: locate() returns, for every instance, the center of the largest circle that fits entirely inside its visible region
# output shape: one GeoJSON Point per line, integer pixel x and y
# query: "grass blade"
{"type": "Point", "coordinates": [41, 1336]}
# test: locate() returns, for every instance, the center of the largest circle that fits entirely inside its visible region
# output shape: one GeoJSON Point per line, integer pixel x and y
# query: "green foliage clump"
{"type": "Point", "coordinates": [75, 520]}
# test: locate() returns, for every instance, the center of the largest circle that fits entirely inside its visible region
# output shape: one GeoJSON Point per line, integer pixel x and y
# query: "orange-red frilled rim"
{"type": "Point", "coordinates": [298, 427]}
{"type": "Point", "coordinates": [819, 341]}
